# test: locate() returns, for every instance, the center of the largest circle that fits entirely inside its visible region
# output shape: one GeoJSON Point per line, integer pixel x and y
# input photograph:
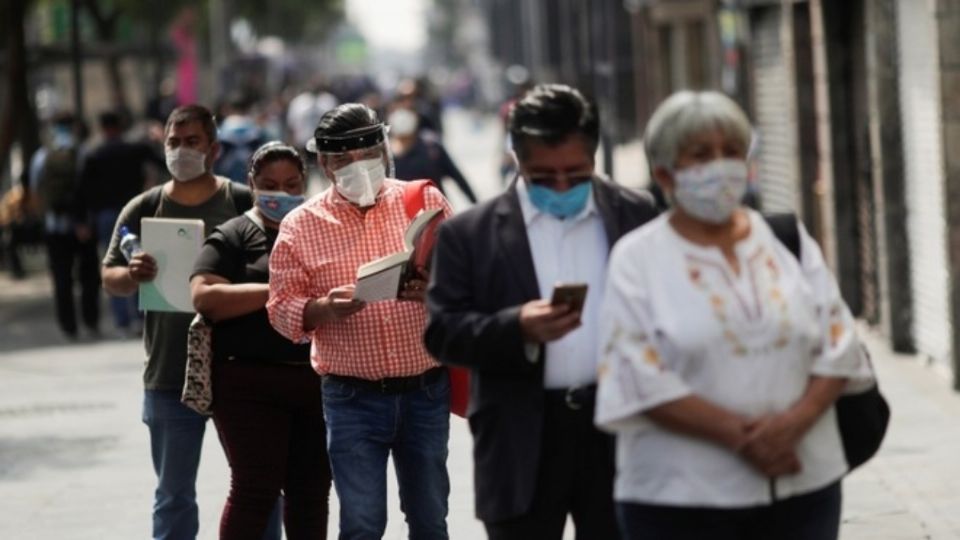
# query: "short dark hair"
{"type": "Point", "coordinates": [345, 118]}
{"type": "Point", "coordinates": [110, 120]}
{"type": "Point", "coordinates": [64, 119]}
{"type": "Point", "coordinates": [275, 151]}
{"type": "Point", "coordinates": [550, 113]}
{"type": "Point", "coordinates": [193, 113]}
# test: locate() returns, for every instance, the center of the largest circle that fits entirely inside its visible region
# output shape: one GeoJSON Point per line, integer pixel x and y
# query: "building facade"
{"type": "Point", "coordinates": [857, 110]}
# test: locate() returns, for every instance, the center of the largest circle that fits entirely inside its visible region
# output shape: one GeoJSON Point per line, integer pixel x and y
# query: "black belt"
{"type": "Point", "coordinates": [393, 385]}
{"type": "Point", "coordinates": [575, 398]}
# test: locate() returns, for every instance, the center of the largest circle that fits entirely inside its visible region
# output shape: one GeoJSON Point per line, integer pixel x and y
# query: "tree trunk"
{"type": "Point", "coordinates": [106, 25]}
{"type": "Point", "coordinates": [19, 119]}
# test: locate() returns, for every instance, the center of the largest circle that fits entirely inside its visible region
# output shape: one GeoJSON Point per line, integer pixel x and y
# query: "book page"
{"type": "Point", "coordinates": [175, 244]}
{"type": "Point", "coordinates": [380, 286]}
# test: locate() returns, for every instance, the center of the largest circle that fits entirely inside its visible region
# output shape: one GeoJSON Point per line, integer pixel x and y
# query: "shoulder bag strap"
{"type": "Point", "coordinates": [241, 195]}
{"type": "Point", "coordinates": [413, 197]}
{"type": "Point", "coordinates": [786, 229]}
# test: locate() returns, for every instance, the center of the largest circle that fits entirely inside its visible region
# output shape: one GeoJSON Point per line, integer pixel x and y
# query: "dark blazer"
{"type": "Point", "coordinates": [482, 273]}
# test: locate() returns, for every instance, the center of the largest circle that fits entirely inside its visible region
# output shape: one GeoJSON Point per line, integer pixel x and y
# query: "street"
{"type": "Point", "coordinates": [75, 463]}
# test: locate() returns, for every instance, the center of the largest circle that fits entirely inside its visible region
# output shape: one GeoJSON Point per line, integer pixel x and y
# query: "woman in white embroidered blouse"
{"type": "Point", "coordinates": [722, 354]}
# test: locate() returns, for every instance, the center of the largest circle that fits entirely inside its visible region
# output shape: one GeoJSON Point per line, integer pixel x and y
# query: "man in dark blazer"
{"type": "Point", "coordinates": [533, 365]}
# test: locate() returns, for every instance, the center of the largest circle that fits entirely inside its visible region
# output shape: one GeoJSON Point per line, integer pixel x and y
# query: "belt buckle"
{"type": "Point", "coordinates": [383, 386]}
{"type": "Point", "coordinates": [570, 400]}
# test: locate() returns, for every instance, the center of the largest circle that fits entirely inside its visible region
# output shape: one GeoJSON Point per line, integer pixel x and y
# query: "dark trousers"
{"type": "Point", "coordinates": [811, 516]}
{"type": "Point", "coordinates": [575, 477]}
{"type": "Point", "coordinates": [270, 421]}
{"type": "Point", "coordinates": [69, 260]}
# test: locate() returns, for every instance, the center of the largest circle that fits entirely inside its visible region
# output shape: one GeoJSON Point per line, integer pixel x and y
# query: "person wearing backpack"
{"type": "Point", "coordinates": [71, 248]}
{"type": "Point", "coordinates": [240, 136]}
{"type": "Point", "coordinates": [112, 173]}
{"type": "Point", "coordinates": [176, 431]}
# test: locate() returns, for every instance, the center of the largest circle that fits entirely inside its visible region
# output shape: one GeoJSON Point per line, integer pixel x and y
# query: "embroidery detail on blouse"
{"type": "Point", "coordinates": [767, 299]}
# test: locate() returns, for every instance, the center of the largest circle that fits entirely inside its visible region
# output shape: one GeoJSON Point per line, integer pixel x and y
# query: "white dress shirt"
{"type": "Point", "coordinates": [573, 250]}
{"type": "Point", "coordinates": [677, 321]}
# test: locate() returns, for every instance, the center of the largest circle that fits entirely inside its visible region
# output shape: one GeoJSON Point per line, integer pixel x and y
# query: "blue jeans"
{"type": "Point", "coordinates": [124, 308]}
{"type": "Point", "coordinates": [363, 428]}
{"type": "Point", "coordinates": [176, 438]}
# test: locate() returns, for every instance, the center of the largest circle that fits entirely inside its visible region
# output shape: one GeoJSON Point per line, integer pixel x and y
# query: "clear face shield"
{"type": "Point", "coordinates": [363, 145]}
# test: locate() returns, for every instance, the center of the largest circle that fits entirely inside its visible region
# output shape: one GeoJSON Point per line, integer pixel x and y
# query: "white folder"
{"type": "Point", "coordinates": [175, 244]}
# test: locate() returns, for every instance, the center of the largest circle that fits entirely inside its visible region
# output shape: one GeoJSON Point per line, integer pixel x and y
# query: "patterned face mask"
{"type": "Point", "coordinates": [275, 205]}
{"type": "Point", "coordinates": [712, 191]}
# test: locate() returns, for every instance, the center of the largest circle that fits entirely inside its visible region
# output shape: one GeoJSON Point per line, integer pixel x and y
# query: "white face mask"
{"type": "Point", "coordinates": [186, 163]}
{"type": "Point", "coordinates": [402, 122]}
{"type": "Point", "coordinates": [360, 181]}
{"type": "Point", "coordinates": [711, 192]}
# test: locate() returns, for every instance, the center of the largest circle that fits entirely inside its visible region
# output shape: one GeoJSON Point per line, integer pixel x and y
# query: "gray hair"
{"type": "Point", "coordinates": [688, 113]}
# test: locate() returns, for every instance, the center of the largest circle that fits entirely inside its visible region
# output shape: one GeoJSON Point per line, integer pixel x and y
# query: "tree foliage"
{"type": "Point", "coordinates": [293, 20]}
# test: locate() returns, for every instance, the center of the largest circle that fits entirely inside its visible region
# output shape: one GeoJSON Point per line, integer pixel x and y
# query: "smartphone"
{"type": "Point", "coordinates": [572, 294]}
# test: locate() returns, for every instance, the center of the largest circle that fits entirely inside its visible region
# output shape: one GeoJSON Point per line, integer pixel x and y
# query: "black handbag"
{"type": "Point", "coordinates": [862, 418]}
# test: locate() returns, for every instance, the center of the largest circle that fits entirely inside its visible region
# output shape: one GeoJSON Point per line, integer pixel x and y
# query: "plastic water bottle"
{"type": "Point", "coordinates": [129, 243]}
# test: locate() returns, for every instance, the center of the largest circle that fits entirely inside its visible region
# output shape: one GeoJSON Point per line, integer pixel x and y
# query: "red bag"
{"type": "Point", "coordinates": [413, 203]}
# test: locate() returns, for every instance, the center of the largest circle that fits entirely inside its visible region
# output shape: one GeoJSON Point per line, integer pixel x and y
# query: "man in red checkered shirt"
{"type": "Point", "coordinates": [382, 392]}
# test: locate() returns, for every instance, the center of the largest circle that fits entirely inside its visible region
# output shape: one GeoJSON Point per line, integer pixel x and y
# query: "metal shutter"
{"type": "Point", "coordinates": [773, 107]}
{"type": "Point", "coordinates": [923, 163]}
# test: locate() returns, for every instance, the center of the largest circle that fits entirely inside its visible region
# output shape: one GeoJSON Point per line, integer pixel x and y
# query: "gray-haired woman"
{"type": "Point", "coordinates": [722, 354]}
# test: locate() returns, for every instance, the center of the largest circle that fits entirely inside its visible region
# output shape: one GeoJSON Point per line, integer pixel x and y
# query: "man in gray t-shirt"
{"type": "Point", "coordinates": [165, 333]}
{"type": "Point", "coordinates": [176, 431]}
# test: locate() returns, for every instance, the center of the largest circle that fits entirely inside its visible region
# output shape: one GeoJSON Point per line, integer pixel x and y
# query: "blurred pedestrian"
{"type": "Point", "coordinates": [268, 410]}
{"type": "Point", "coordinates": [305, 111]}
{"type": "Point", "coordinates": [722, 354]}
{"type": "Point", "coordinates": [417, 95]}
{"type": "Point", "coordinates": [537, 455]}
{"type": "Point", "coordinates": [176, 431]}
{"type": "Point", "coordinates": [421, 156]}
{"type": "Point", "coordinates": [112, 173]}
{"type": "Point", "coordinates": [519, 79]}
{"type": "Point", "coordinates": [21, 225]}
{"type": "Point", "coordinates": [239, 136]}
{"type": "Point", "coordinates": [382, 393]}
{"type": "Point", "coordinates": [71, 246]}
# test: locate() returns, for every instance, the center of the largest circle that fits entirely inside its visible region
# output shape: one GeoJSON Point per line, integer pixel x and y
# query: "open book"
{"type": "Point", "coordinates": [385, 278]}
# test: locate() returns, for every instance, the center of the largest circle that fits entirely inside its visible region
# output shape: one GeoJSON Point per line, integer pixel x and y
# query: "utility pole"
{"type": "Point", "coordinates": [603, 73]}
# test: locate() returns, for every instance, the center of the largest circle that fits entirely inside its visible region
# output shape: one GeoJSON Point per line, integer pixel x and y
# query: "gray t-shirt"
{"type": "Point", "coordinates": [165, 334]}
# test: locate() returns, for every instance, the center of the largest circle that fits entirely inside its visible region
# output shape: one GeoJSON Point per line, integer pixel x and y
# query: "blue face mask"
{"type": "Point", "coordinates": [275, 205]}
{"type": "Point", "coordinates": [560, 204]}
{"type": "Point", "coordinates": [62, 136]}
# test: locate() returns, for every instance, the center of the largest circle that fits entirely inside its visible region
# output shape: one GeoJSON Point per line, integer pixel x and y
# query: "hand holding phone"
{"type": "Point", "coordinates": [571, 294]}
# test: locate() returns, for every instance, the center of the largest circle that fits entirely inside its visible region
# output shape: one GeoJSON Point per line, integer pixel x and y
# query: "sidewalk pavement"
{"type": "Point", "coordinates": [75, 461]}
{"type": "Point", "coordinates": [74, 457]}
{"type": "Point", "coordinates": [910, 490]}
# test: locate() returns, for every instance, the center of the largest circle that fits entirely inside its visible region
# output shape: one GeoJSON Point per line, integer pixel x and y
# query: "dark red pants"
{"type": "Point", "coordinates": [270, 421]}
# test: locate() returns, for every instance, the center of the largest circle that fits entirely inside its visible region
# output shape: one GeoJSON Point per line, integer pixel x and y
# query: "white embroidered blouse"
{"type": "Point", "coordinates": [677, 321]}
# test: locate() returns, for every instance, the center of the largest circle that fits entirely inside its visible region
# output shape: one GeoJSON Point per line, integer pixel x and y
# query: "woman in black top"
{"type": "Point", "coordinates": [267, 406]}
